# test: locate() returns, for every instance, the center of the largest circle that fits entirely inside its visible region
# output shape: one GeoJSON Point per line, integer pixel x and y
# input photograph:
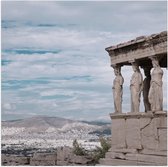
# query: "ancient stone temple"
{"type": "Point", "coordinates": [139, 138]}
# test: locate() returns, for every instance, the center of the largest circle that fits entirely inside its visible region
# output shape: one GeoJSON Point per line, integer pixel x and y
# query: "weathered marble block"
{"type": "Point", "coordinates": [118, 131]}
{"type": "Point", "coordinates": [149, 138]}
{"type": "Point", "coordinates": [162, 135]}
{"type": "Point", "coordinates": [42, 163]}
{"type": "Point", "coordinates": [64, 153]}
{"type": "Point", "coordinates": [133, 137]}
{"type": "Point", "coordinates": [44, 156]}
{"type": "Point", "coordinates": [11, 160]}
{"type": "Point", "coordinates": [138, 138]}
{"type": "Point", "coordinates": [139, 131]}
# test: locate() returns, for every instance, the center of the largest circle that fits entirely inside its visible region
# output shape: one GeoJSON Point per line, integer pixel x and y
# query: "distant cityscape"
{"type": "Point", "coordinates": [45, 135]}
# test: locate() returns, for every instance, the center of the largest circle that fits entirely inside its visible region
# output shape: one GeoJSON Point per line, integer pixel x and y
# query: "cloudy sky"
{"type": "Point", "coordinates": [53, 57]}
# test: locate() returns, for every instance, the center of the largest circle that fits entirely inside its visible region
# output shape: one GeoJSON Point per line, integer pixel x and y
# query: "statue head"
{"type": "Point", "coordinates": [155, 62]}
{"type": "Point", "coordinates": [117, 70]}
{"type": "Point", "coordinates": [135, 66]}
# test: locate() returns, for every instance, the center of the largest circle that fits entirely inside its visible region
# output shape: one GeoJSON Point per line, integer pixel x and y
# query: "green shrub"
{"type": "Point", "coordinates": [100, 152]}
{"type": "Point", "coordinates": [105, 145]}
{"type": "Point", "coordinates": [96, 154]}
{"type": "Point", "coordinates": [77, 149]}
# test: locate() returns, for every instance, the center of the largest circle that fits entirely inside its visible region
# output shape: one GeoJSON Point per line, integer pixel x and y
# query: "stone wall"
{"type": "Point", "coordinates": [63, 157]}
{"type": "Point", "coordinates": [8, 160]}
{"type": "Point", "coordinates": [43, 159]}
{"type": "Point", "coordinates": [138, 139]}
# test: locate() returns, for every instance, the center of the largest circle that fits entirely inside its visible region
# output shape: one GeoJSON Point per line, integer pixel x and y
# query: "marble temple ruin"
{"type": "Point", "coordinates": [139, 138]}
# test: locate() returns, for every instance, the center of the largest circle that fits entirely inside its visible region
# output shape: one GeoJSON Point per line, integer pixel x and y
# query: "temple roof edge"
{"type": "Point", "coordinates": [137, 40]}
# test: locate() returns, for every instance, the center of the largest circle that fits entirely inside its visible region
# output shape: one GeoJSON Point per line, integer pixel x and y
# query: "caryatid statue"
{"type": "Point", "coordinates": [146, 86]}
{"type": "Point", "coordinates": [155, 92]}
{"type": "Point", "coordinates": [136, 87]}
{"type": "Point", "coordinates": [118, 89]}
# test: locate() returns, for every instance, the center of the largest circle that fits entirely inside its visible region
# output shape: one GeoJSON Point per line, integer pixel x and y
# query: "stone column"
{"type": "Point", "coordinates": [155, 92]}
{"type": "Point", "coordinates": [136, 86]}
{"type": "Point", "coordinates": [146, 86]}
{"type": "Point", "coordinates": [117, 89]}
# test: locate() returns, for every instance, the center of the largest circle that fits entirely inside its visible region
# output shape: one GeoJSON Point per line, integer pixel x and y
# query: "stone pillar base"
{"type": "Point", "coordinates": [138, 139]}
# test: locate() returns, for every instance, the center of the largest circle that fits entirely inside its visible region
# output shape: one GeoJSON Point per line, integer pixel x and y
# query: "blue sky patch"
{"type": "Point", "coordinates": [31, 51]}
{"type": "Point", "coordinates": [5, 62]}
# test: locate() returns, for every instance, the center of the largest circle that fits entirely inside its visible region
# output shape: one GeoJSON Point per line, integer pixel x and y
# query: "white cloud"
{"type": "Point", "coordinates": [104, 118]}
{"type": "Point", "coordinates": [77, 79]}
{"type": "Point", "coordinates": [7, 106]}
{"type": "Point", "coordinates": [90, 15]}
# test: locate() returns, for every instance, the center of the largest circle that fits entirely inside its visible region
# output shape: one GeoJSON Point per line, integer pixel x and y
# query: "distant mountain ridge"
{"type": "Point", "coordinates": [56, 124]}
{"type": "Point", "coordinates": [49, 132]}
{"type": "Point", "coordinates": [46, 120]}
{"type": "Point", "coordinates": [42, 121]}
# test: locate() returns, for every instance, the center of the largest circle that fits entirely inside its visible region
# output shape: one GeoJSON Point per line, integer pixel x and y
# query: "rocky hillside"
{"type": "Point", "coordinates": [47, 132]}
{"type": "Point", "coordinates": [37, 121]}
{"type": "Point", "coordinates": [43, 123]}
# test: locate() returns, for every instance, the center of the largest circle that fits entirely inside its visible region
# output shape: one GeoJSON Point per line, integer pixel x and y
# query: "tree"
{"type": "Point", "coordinates": [100, 152]}
{"type": "Point", "coordinates": [77, 149]}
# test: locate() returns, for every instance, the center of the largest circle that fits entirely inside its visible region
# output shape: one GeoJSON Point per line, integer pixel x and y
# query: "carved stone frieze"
{"type": "Point", "coordinates": [139, 48]}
